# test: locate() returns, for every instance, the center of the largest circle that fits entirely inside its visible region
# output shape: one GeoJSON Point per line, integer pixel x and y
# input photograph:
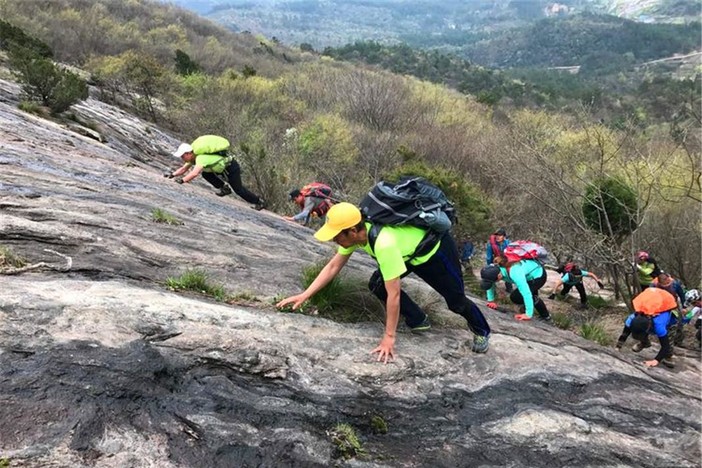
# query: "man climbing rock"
{"type": "Point", "coordinates": [314, 200]}
{"type": "Point", "coordinates": [653, 311]}
{"type": "Point", "coordinates": [209, 155]}
{"type": "Point", "coordinates": [396, 250]}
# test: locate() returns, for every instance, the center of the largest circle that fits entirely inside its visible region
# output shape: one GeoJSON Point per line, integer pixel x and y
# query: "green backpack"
{"type": "Point", "coordinates": [210, 144]}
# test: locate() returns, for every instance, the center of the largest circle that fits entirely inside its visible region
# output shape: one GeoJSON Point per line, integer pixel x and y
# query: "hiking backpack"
{"type": "Point", "coordinates": [526, 250]}
{"type": "Point", "coordinates": [316, 189]}
{"type": "Point", "coordinates": [413, 201]}
{"type": "Point", "coordinates": [210, 144]}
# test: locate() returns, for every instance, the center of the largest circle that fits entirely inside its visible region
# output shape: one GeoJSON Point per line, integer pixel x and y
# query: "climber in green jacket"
{"type": "Point", "coordinates": [209, 155]}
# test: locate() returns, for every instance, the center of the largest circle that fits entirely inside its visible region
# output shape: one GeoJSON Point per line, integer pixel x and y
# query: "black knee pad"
{"type": "Point", "coordinates": [375, 283]}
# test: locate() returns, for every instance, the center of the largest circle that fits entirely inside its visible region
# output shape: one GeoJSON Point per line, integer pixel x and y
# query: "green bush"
{"type": "Point", "coordinates": [594, 332]}
{"type": "Point", "coordinates": [198, 281]}
{"type": "Point", "coordinates": [610, 207]}
{"type": "Point", "coordinates": [561, 320]}
{"type": "Point", "coordinates": [346, 440]}
{"type": "Point", "coordinates": [12, 36]}
{"type": "Point", "coordinates": [160, 216]}
{"type": "Point", "coordinates": [184, 64]}
{"type": "Point", "coordinates": [43, 81]}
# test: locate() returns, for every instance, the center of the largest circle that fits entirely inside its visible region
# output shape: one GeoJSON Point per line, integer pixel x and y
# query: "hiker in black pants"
{"type": "Point", "coordinates": [232, 174]}
{"type": "Point", "coordinates": [572, 277]}
{"type": "Point", "coordinates": [209, 155]}
{"type": "Point", "coordinates": [398, 250]}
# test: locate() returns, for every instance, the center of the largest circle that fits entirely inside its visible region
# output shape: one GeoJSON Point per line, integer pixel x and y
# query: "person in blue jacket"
{"type": "Point", "coordinates": [495, 247]}
{"type": "Point", "coordinates": [653, 311]}
{"type": "Point", "coordinates": [467, 251]}
{"type": "Point", "coordinates": [528, 276]}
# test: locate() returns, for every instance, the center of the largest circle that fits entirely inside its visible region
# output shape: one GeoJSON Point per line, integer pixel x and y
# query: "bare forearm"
{"type": "Point", "coordinates": [181, 170]}
{"type": "Point", "coordinates": [328, 273]}
{"type": "Point", "coordinates": [392, 311]}
{"type": "Point", "coordinates": [192, 174]}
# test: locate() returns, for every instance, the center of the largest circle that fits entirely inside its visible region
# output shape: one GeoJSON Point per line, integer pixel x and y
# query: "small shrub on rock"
{"type": "Point", "coordinates": [561, 320]}
{"type": "Point", "coordinates": [160, 216]}
{"type": "Point", "coordinates": [594, 332]}
{"type": "Point", "coordinates": [198, 281]}
{"type": "Point", "coordinates": [346, 440]}
{"type": "Point", "coordinates": [9, 259]}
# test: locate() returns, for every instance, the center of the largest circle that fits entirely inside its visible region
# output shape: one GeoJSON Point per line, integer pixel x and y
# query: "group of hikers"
{"type": "Point", "coordinates": [405, 228]}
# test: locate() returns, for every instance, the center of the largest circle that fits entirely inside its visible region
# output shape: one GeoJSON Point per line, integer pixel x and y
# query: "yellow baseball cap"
{"type": "Point", "coordinates": [339, 217]}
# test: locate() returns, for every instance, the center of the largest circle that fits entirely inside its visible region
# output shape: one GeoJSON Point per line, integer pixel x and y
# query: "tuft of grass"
{"type": "Point", "coordinates": [4, 462]}
{"type": "Point", "coordinates": [197, 280]}
{"type": "Point", "coordinates": [597, 302]}
{"type": "Point", "coordinates": [594, 332]}
{"type": "Point", "coordinates": [31, 107]}
{"type": "Point", "coordinates": [10, 259]}
{"type": "Point", "coordinates": [345, 300]}
{"type": "Point", "coordinates": [561, 320]}
{"type": "Point", "coordinates": [379, 425]}
{"type": "Point", "coordinates": [346, 440]}
{"type": "Point", "coordinates": [160, 216]}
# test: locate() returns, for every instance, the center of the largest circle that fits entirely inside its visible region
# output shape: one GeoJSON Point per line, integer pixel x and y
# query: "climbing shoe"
{"type": "Point", "coordinates": [668, 362]}
{"type": "Point", "coordinates": [481, 344]}
{"type": "Point", "coordinates": [546, 319]}
{"type": "Point", "coordinates": [640, 345]}
{"type": "Point", "coordinates": [422, 327]}
{"type": "Point", "coordinates": [224, 191]}
{"type": "Point", "coordinates": [260, 205]}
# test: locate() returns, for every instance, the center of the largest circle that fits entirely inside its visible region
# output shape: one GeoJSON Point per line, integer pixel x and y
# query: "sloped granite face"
{"type": "Point", "coordinates": [102, 366]}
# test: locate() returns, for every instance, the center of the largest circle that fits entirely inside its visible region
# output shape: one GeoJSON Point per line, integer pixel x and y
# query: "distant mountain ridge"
{"type": "Point", "coordinates": [338, 22]}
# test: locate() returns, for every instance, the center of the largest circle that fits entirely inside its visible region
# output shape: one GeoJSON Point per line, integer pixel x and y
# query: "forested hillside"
{"type": "Point", "coordinates": [297, 117]}
{"type": "Point", "coordinates": [615, 91]}
{"type": "Point", "coordinates": [574, 40]}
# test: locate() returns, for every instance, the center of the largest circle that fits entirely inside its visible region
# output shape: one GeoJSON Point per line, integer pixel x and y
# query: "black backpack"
{"type": "Point", "coordinates": [413, 201]}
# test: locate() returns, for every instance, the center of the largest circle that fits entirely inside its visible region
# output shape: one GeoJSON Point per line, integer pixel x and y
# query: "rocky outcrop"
{"type": "Point", "coordinates": [103, 366]}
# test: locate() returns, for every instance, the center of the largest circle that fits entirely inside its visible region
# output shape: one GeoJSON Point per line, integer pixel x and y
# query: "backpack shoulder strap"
{"type": "Point", "coordinates": [373, 233]}
{"type": "Point", "coordinates": [495, 248]}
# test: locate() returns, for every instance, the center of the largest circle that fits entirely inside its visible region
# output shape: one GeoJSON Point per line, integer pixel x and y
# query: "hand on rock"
{"type": "Point", "coordinates": [492, 305]}
{"type": "Point", "coordinates": [522, 317]}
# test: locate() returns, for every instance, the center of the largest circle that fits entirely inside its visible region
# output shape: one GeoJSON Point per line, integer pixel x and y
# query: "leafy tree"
{"type": "Point", "coordinates": [13, 36]}
{"type": "Point", "coordinates": [610, 207]}
{"type": "Point", "coordinates": [45, 82]}
{"type": "Point", "coordinates": [138, 74]}
{"type": "Point", "coordinates": [306, 47]}
{"type": "Point", "coordinates": [184, 64]}
{"type": "Point", "coordinates": [248, 71]}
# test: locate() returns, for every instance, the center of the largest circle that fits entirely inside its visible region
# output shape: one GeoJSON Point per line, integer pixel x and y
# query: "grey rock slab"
{"type": "Point", "coordinates": [103, 366]}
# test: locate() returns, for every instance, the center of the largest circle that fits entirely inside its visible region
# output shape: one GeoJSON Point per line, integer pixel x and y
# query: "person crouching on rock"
{"type": "Point", "coordinates": [394, 251]}
{"type": "Point", "coordinates": [653, 311]}
{"type": "Point", "coordinates": [527, 275]}
{"type": "Point", "coordinates": [572, 276]}
{"type": "Point", "coordinates": [209, 155]}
